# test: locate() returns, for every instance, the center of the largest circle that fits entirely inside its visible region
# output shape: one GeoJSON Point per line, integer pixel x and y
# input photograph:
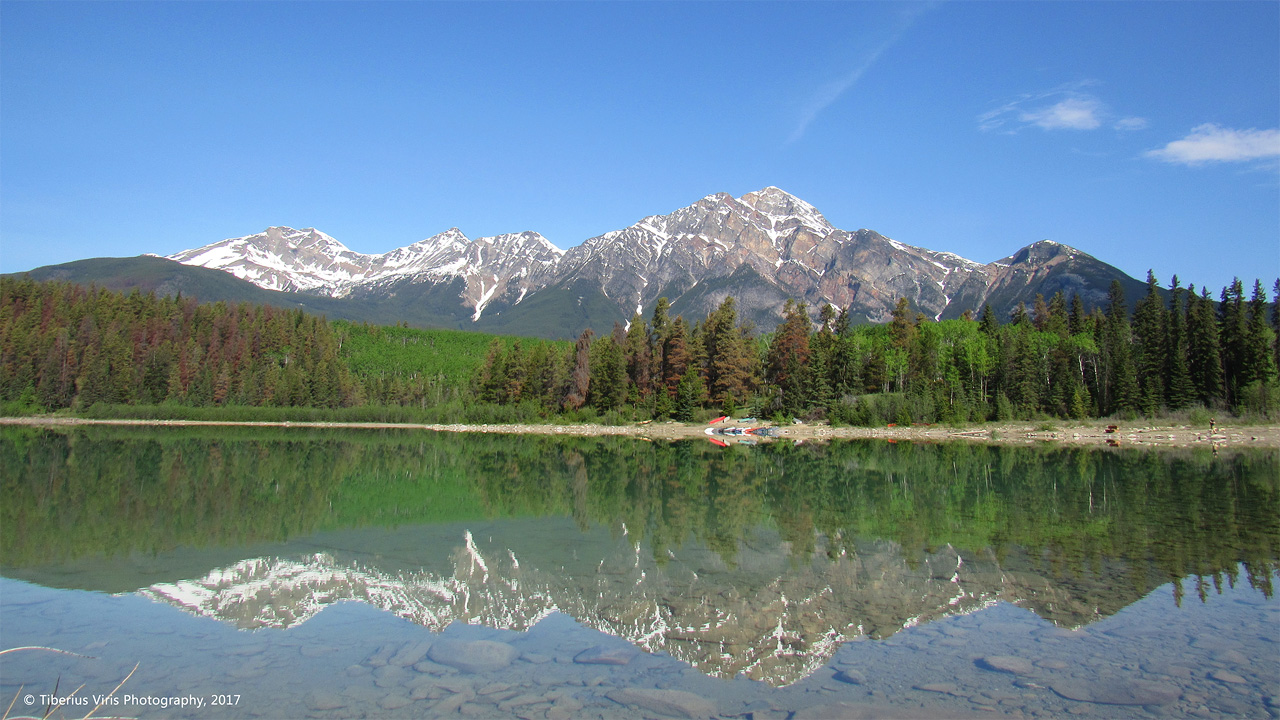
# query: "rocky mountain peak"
{"type": "Point", "coordinates": [780, 206]}
{"type": "Point", "coordinates": [529, 242]}
{"type": "Point", "coordinates": [1040, 252]}
{"type": "Point", "coordinates": [450, 237]}
{"type": "Point", "coordinates": [762, 248]}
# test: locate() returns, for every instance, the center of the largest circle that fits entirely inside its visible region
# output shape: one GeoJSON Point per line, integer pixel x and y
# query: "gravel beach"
{"type": "Point", "coordinates": [1097, 433]}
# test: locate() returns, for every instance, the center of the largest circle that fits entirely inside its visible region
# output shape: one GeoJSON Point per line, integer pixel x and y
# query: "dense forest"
{"type": "Point", "coordinates": [94, 350]}
{"type": "Point", "coordinates": [1054, 360]}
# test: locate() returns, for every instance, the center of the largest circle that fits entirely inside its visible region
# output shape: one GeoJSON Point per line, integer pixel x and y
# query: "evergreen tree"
{"type": "Point", "coordinates": [1257, 357]}
{"type": "Point", "coordinates": [690, 392]}
{"type": "Point", "coordinates": [637, 353]}
{"type": "Point", "coordinates": [516, 366]}
{"type": "Point", "coordinates": [902, 336]}
{"type": "Point", "coordinates": [788, 359]}
{"type": "Point", "coordinates": [845, 368]}
{"type": "Point", "coordinates": [608, 375]}
{"type": "Point", "coordinates": [661, 317]}
{"type": "Point", "coordinates": [1058, 323]}
{"type": "Point", "coordinates": [1025, 386]}
{"type": "Point", "coordinates": [675, 355]}
{"type": "Point", "coordinates": [988, 321]}
{"type": "Point", "coordinates": [1077, 318]}
{"type": "Point", "coordinates": [1150, 331]}
{"type": "Point", "coordinates": [1203, 348]}
{"type": "Point", "coordinates": [1232, 333]}
{"type": "Point", "coordinates": [1275, 322]}
{"type": "Point", "coordinates": [1122, 377]}
{"type": "Point", "coordinates": [1018, 315]}
{"type": "Point", "coordinates": [1040, 313]}
{"type": "Point", "coordinates": [730, 364]}
{"type": "Point", "coordinates": [491, 382]}
{"type": "Point", "coordinates": [822, 350]}
{"type": "Point", "coordinates": [1179, 390]}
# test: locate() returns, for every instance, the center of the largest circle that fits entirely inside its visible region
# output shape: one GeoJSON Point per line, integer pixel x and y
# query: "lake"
{"type": "Point", "coordinates": [304, 573]}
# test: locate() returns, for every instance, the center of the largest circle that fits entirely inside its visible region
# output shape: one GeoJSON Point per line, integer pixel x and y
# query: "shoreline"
{"type": "Point", "coordinates": [1136, 434]}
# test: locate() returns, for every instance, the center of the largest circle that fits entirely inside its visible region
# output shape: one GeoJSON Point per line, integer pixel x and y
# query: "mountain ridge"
{"type": "Point", "coordinates": [764, 248]}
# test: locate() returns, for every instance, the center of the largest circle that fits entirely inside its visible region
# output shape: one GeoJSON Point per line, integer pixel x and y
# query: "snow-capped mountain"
{"type": "Point", "coordinates": [762, 248]}
{"type": "Point", "coordinates": [309, 261]}
{"type": "Point", "coordinates": [281, 258]}
{"type": "Point", "coordinates": [783, 620]}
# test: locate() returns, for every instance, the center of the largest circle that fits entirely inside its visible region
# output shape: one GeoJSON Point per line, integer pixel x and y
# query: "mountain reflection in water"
{"type": "Point", "coordinates": [752, 560]}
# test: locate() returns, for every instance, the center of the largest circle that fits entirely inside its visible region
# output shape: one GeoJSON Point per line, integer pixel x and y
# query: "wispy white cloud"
{"type": "Point", "coordinates": [1214, 143]}
{"type": "Point", "coordinates": [1131, 123]}
{"type": "Point", "coordinates": [1068, 107]}
{"type": "Point", "coordinates": [1074, 113]}
{"type": "Point", "coordinates": [832, 91]}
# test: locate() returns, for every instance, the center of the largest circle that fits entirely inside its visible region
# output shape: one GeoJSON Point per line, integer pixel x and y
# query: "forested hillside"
{"type": "Point", "coordinates": [67, 346]}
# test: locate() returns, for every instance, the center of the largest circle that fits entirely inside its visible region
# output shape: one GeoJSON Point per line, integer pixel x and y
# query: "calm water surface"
{"type": "Point", "coordinates": [346, 574]}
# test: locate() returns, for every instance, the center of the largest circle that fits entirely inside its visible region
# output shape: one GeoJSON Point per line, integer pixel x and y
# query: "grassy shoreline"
{"type": "Point", "coordinates": [1132, 434]}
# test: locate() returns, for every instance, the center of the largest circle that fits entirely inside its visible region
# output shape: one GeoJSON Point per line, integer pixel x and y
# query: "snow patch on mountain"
{"type": "Point", "coordinates": [793, 249]}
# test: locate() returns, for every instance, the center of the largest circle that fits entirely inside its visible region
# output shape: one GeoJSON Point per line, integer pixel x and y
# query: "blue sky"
{"type": "Point", "coordinates": [1142, 133]}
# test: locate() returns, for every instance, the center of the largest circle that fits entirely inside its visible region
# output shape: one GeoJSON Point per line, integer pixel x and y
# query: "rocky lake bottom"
{"type": "Point", "coordinates": [1217, 658]}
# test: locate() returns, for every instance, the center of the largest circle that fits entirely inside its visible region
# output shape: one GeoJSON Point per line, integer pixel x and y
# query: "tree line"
{"type": "Point", "coordinates": [68, 346]}
{"type": "Point", "coordinates": [1052, 360]}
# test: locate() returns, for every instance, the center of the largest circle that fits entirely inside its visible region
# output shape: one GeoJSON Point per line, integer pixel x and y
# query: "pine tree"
{"type": "Point", "coordinates": [788, 360]}
{"type": "Point", "coordinates": [1058, 322]}
{"type": "Point", "coordinates": [515, 368]}
{"type": "Point", "coordinates": [1275, 322]}
{"type": "Point", "coordinates": [660, 317]}
{"type": "Point", "coordinates": [845, 366]}
{"type": "Point", "coordinates": [690, 392]}
{"type": "Point", "coordinates": [729, 361]}
{"type": "Point", "coordinates": [1257, 360]}
{"type": "Point", "coordinates": [1179, 390]}
{"type": "Point", "coordinates": [1040, 313]}
{"type": "Point", "coordinates": [988, 322]}
{"type": "Point", "coordinates": [821, 357]}
{"type": "Point", "coordinates": [675, 354]}
{"type": "Point", "coordinates": [902, 337]}
{"type": "Point", "coordinates": [1149, 331]}
{"type": "Point", "coordinates": [1204, 357]}
{"type": "Point", "coordinates": [608, 375]}
{"type": "Point", "coordinates": [1122, 378]}
{"type": "Point", "coordinates": [1024, 387]}
{"type": "Point", "coordinates": [1232, 332]}
{"type": "Point", "coordinates": [1018, 316]}
{"type": "Point", "coordinates": [637, 354]}
{"type": "Point", "coordinates": [1077, 318]}
{"type": "Point", "coordinates": [491, 381]}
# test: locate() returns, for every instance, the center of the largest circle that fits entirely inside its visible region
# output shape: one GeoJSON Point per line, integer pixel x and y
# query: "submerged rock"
{"type": "Point", "coordinates": [945, 688]}
{"type": "Point", "coordinates": [851, 676]}
{"type": "Point", "coordinates": [410, 654]}
{"type": "Point", "coordinates": [1133, 692]}
{"type": "Point", "coordinates": [1225, 676]}
{"type": "Point", "coordinates": [601, 655]}
{"type": "Point", "coordinates": [854, 711]}
{"type": "Point", "coordinates": [475, 656]}
{"type": "Point", "coordinates": [676, 703]}
{"type": "Point", "coordinates": [394, 702]}
{"type": "Point", "coordinates": [1006, 664]}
